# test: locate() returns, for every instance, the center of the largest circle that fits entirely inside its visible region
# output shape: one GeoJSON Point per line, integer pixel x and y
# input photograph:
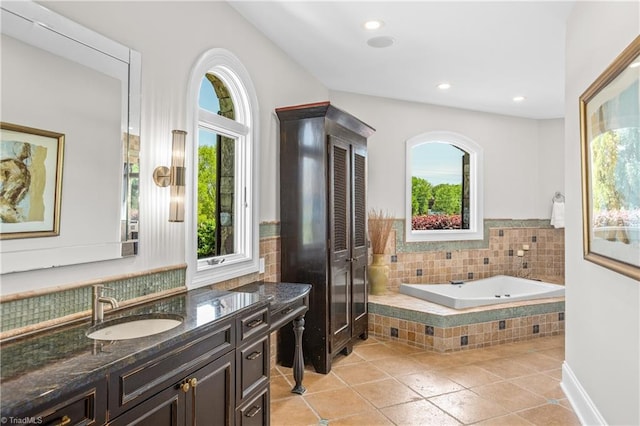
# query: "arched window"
{"type": "Point", "coordinates": [443, 188]}
{"type": "Point", "coordinates": [222, 240]}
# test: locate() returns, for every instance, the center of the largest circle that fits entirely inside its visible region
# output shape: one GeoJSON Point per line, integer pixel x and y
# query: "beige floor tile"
{"type": "Point", "coordinates": [557, 353]}
{"type": "Point", "coordinates": [550, 415]}
{"type": "Point", "coordinates": [399, 366]}
{"type": "Point", "coordinates": [475, 355]}
{"type": "Point", "coordinates": [556, 374]}
{"type": "Point", "coordinates": [316, 382]}
{"type": "Point", "coordinates": [508, 420]}
{"type": "Point", "coordinates": [418, 413]}
{"type": "Point", "coordinates": [280, 388]}
{"type": "Point", "coordinates": [292, 412]}
{"type": "Point", "coordinates": [541, 384]}
{"type": "Point", "coordinates": [386, 392]}
{"type": "Point", "coordinates": [337, 403]}
{"type": "Point", "coordinates": [506, 368]}
{"type": "Point", "coordinates": [376, 351]}
{"type": "Point", "coordinates": [404, 348]}
{"type": "Point", "coordinates": [362, 372]}
{"type": "Point", "coordinates": [510, 396]}
{"type": "Point", "coordinates": [468, 407]}
{"type": "Point", "coordinates": [538, 361]}
{"type": "Point", "coordinates": [430, 383]}
{"type": "Point", "coordinates": [346, 359]}
{"type": "Point", "coordinates": [470, 375]}
{"type": "Point", "coordinates": [437, 361]}
{"type": "Point", "coordinates": [368, 418]}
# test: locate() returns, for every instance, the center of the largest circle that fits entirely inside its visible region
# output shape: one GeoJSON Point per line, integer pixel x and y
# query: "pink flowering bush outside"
{"type": "Point", "coordinates": [436, 221]}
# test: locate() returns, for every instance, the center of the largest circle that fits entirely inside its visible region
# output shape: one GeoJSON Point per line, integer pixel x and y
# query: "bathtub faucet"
{"type": "Point", "coordinates": [456, 282]}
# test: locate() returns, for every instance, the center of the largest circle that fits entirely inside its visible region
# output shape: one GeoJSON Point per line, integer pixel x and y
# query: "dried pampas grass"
{"type": "Point", "coordinates": [380, 224]}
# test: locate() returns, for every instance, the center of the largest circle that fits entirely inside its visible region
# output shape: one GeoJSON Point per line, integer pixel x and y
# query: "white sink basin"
{"type": "Point", "coordinates": [133, 328]}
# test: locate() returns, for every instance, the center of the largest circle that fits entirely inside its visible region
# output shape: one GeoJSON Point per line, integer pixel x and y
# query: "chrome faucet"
{"type": "Point", "coordinates": [98, 301]}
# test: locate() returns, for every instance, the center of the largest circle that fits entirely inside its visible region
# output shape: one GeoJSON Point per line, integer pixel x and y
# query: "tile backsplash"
{"type": "Point", "coordinates": [20, 314]}
{"type": "Point", "coordinates": [541, 248]}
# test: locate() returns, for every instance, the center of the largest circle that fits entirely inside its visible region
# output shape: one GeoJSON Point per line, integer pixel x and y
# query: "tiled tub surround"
{"type": "Point", "coordinates": [496, 254]}
{"type": "Point", "coordinates": [50, 307]}
{"type": "Point", "coordinates": [431, 326]}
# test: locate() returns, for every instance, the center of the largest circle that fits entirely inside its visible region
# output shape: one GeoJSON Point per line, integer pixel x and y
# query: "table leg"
{"type": "Point", "coordinates": [298, 357]}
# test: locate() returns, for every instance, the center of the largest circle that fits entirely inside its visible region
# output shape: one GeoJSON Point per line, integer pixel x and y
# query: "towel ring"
{"type": "Point", "coordinates": [558, 197]}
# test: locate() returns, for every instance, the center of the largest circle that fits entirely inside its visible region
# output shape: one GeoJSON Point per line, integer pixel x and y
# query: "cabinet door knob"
{"type": "Point", "coordinates": [184, 387]}
{"type": "Point", "coordinates": [193, 382]}
{"type": "Point", "coordinates": [65, 420]}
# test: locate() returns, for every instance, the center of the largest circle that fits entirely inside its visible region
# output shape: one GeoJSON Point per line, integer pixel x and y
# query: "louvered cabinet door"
{"type": "Point", "coordinates": [340, 242]}
{"type": "Point", "coordinates": [359, 239]}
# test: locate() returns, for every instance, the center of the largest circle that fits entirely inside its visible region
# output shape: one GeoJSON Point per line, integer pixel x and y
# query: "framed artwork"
{"type": "Point", "coordinates": [30, 182]}
{"type": "Point", "coordinates": [610, 141]}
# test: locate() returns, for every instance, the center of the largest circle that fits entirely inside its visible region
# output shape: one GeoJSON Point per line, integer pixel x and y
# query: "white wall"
{"type": "Point", "coordinates": [602, 369]}
{"type": "Point", "coordinates": [524, 158]}
{"type": "Point", "coordinates": [171, 36]}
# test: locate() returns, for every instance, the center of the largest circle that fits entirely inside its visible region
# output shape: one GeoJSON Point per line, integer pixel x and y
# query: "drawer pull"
{"type": "Point", "coordinates": [253, 411]}
{"type": "Point", "coordinates": [184, 387]}
{"type": "Point", "coordinates": [65, 420]}
{"type": "Point", "coordinates": [193, 382]}
{"type": "Point", "coordinates": [287, 311]}
{"type": "Point", "coordinates": [254, 355]}
{"type": "Point", "coordinates": [254, 323]}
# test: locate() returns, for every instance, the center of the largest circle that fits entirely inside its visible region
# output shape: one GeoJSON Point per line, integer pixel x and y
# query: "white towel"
{"type": "Point", "coordinates": [557, 215]}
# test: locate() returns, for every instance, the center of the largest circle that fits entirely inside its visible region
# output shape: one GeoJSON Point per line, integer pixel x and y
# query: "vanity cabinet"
{"type": "Point", "coordinates": [323, 226]}
{"type": "Point", "coordinates": [213, 379]}
{"type": "Point", "coordinates": [83, 408]}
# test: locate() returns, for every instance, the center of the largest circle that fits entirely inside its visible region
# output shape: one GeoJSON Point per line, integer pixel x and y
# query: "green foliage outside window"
{"type": "Point", "coordinates": [207, 186]}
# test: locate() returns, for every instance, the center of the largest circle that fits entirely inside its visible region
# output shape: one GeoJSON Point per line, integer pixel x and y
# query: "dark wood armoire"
{"type": "Point", "coordinates": [323, 227]}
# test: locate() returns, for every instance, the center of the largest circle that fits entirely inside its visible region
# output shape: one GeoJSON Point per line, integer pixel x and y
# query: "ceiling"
{"type": "Point", "coordinates": [489, 52]}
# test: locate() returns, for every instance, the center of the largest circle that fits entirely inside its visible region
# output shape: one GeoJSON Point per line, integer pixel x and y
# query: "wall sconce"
{"type": "Point", "coordinates": [174, 177]}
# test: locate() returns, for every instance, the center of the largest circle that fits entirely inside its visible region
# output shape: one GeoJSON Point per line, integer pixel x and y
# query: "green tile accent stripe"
{"type": "Point", "coordinates": [33, 310]}
{"type": "Point", "coordinates": [269, 229]}
{"type": "Point", "coordinates": [446, 321]}
{"type": "Point", "coordinates": [421, 246]}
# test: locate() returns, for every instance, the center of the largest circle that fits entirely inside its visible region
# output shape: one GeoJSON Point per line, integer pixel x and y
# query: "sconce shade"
{"type": "Point", "coordinates": [176, 206]}
{"type": "Point", "coordinates": [174, 177]}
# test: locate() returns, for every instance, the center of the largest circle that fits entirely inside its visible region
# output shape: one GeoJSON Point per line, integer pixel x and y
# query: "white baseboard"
{"type": "Point", "coordinates": [584, 408]}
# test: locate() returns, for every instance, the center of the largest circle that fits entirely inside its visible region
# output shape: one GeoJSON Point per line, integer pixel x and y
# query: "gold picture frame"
{"type": "Point", "coordinates": [30, 182]}
{"type": "Point", "coordinates": [610, 151]}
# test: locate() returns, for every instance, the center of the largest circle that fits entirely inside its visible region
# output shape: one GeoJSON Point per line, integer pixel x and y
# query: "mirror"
{"type": "Point", "coordinates": [64, 79]}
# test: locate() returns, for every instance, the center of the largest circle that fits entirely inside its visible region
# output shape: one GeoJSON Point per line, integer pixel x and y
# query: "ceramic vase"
{"type": "Point", "coordinates": [378, 275]}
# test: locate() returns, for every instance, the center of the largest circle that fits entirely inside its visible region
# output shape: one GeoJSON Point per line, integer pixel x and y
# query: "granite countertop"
{"type": "Point", "coordinates": [278, 293]}
{"type": "Point", "coordinates": [39, 368]}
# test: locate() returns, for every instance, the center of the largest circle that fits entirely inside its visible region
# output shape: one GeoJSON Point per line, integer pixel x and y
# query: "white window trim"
{"type": "Point", "coordinates": [246, 259]}
{"type": "Point", "coordinates": [476, 224]}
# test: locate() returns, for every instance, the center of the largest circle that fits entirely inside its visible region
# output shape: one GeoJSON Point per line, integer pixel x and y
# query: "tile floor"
{"type": "Point", "coordinates": [389, 383]}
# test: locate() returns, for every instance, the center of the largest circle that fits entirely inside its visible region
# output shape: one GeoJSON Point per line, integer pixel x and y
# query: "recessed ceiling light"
{"type": "Point", "coordinates": [382, 41]}
{"type": "Point", "coordinates": [444, 85]}
{"type": "Point", "coordinates": [518, 98]}
{"type": "Point", "coordinates": [374, 24]}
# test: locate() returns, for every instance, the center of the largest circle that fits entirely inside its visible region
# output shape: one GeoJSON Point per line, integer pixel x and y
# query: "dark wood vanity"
{"type": "Point", "coordinates": [213, 369]}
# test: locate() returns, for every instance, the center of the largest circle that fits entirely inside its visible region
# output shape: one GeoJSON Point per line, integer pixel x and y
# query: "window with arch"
{"type": "Point", "coordinates": [443, 188]}
{"type": "Point", "coordinates": [222, 240]}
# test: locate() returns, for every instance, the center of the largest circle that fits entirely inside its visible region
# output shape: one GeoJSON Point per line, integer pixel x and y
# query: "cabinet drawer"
{"type": "Point", "coordinates": [288, 312]}
{"type": "Point", "coordinates": [255, 412]}
{"type": "Point", "coordinates": [85, 408]}
{"type": "Point", "coordinates": [135, 384]}
{"type": "Point", "coordinates": [253, 324]}
{"type": "Point", "coordinates": [252, 364]}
